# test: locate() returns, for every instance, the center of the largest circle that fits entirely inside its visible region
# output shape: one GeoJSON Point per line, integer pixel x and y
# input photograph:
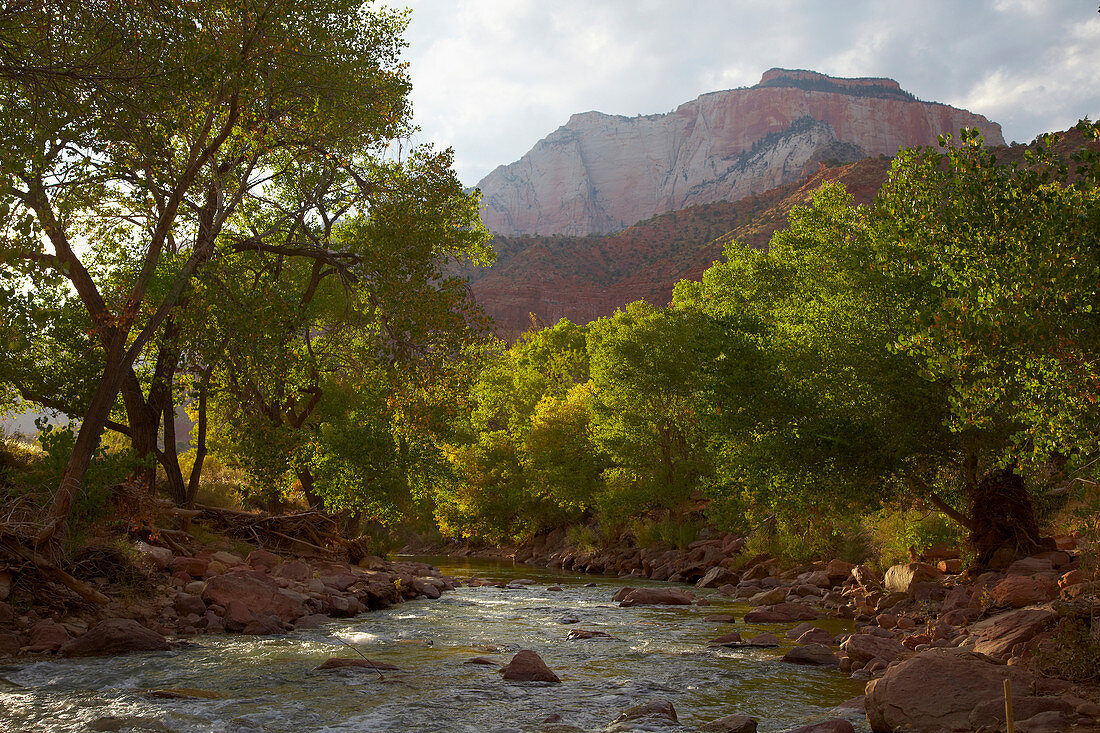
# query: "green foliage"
{"type": "Point", "coordinates": [894, 530]}
{"type": "Point", "coordinates": [1073, 652]}
{"type": "Point", "coordinates": [664, 532]}
{"type": "Point", "coordinates": [645, 375]}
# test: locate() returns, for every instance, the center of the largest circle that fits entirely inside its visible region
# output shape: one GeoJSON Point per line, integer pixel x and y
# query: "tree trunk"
{"type": "Point", "coordinates": [200, 447]}
{"type": "Point", "coordinates": [177, 490]}
{"type": "Point", "coordinates": [1004, 524]}
{"type": "Point", "coordinates": [306, 479]}
{"type": "Point", "coordinates": [56, 529]}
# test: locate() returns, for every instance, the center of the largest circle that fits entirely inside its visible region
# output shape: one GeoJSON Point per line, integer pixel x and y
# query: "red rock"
{"type": "Point", "coordinates": [763, 640]}
{"type": "Point", "coordinates": [862, 648]}
{"type": "Point", "coordinates": [527, 666]}
{"type": "Point", "coordinates": [7, 614]}
{"type": "Point", "coordinates": [900, 578]}
{"type": "Point", "coordinates": [483, 660]}
{"type": "Point", "coordinates": [265, 626]}
{"type": "Point", "coordinates": [1023, 708]}
{"type": "Point", "coordinates": [816, 636]}
{"type": "Point", "coordinates": [186, 604]}
{"type": "Point", "coordinates": [10, 643]}
{"type": "Point", "coordinates": [715, 577]}
{"type": "Point", "coordinates": [721, 618]}
{"type": "Point", "coordinates": [1017, 591]}
{"type": "Point", "coordinates": [259, 598]}
{"type": "Point", "coordinates": [838, 571]}
{"type": "Point", "coordinates": [195, 567]}
{"type": "Point", "coordinates": [653, 713]}
{"type": "Point", "coordinates": [781, 613]}
{"type": "Point", "coordinates": [622, 593]}
{"type": "Point", "coordinates": [358, 662]}
{"type": "Point", "coordinates": [115, 636]}
{"type": "Point", "coordinates": [998, 635]}
{"type": "Point", "coordinates": [951, 565]}
{"type": "Point", "coordinates": [812, 654]}
{"type": "Point", "coordinates": [730, 724]}
{"type": "Point", "coordinates": [656, 596]}
{"type": "Point", "coordinates": [937, 690]}
{"type": "Point", "coordinates": [832, 725]}
{"type": "Point", "coordinates": [293, 570]}
{"type": "Point", "coordinates": [1073, 577]}
{"type": "Point", "coordinates": [264, 560]}
{"type": "Point", "coordinates": [769, 597]}
{"type": "Point", "coordinates": [1030, 566]}
{"type": "Point", "coordinates": [47, 636]}
{"type": "Point", "coordinates": [958, 597]}
{"type": "Point", "coordinates": [731, 638]}
{"type": "Point", "coordinates": [158, 557]}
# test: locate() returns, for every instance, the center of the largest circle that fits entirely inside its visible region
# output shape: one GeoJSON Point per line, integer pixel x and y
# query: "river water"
{"type": "Point", "coordinates": [270, 683]}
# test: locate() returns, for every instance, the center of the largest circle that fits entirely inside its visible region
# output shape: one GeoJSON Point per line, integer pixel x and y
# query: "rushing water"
{"type": "Point", "coordinates": [270, 683]}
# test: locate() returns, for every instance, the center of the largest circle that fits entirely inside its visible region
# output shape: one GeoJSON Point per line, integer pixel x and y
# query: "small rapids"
{"type": "Point", "coordinates": [240, 683]}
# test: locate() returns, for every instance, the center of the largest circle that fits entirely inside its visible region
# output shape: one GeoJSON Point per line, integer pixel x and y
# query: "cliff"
{"type": "Point", "coordinates": [601, 173]}
{"type": "Point", "coordinates": [542, 279]}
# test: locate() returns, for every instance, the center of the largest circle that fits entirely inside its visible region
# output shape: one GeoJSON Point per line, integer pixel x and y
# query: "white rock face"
{"type": "Point", "coordinates": [600, 173]}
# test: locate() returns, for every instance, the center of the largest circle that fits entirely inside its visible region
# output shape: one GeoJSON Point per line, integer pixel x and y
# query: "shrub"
{"type": "Point", "coordinates": [1073, 652]}
{"type": "Point", "coordinates": [893, 530]}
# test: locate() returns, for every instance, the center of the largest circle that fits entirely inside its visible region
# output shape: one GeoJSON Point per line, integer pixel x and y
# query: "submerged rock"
{"type": "Point", "coordinates": [657, 713]}
{"type": "Point", "coordinates": [655, 596]}
{"type": "Point", "coordinates": [342, 662]}
{"type": "Point", "coordinates": [730, 724]}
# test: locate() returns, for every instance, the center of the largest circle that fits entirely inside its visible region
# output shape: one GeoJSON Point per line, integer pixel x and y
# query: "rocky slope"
{"type": "Point", "coordinates": [600, 173]}
{"type": "Point", "coordinates": [546, 278]}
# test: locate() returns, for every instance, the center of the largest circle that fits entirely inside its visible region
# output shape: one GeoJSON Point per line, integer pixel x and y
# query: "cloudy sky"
{"type": "Point", "coordinates": [491, 77]}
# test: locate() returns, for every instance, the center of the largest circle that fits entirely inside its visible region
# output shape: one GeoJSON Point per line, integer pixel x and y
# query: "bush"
{"type": "Point", "coordinates": [1073, 652]}
{"type": "Point", "coordinates": [671, 532]}
{"type": "Point", "coordinates": [893, 530]}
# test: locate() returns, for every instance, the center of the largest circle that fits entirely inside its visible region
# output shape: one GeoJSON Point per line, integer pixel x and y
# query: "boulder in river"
{"type": "Point", "coordinates": [655, 596]}
{"type": "Point", "coordinates": [938, 690]}
{"type": "Point", "coordinates": [259, 598]}
{"type": "Point", "coordinates": [527, 666]}
{"type": "Point", "coordinates": [47, 636]}
{"type": "Point", "coordinates": [832, 725]}
{"type": "Point", "coordinates": [812, 654]}
{"type": "Point", "coordinates": [730, 724]}
{"type": "Point", "coordinates": [862, 648]}
{"type": "Point", "coordinates": [781, 613]}
{"type": "Point", "coordinates": [655, 713]}
{"type": "Point", "coordinates": [587, 634]}
{"type": "Point", "coordinates": [115, 636]}
{"type": "Point", "coordinates": [357, 662]}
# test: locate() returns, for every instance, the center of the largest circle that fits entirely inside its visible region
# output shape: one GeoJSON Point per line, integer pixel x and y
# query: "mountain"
{"type": "Point", "coordinates": [541, 279]}
{"type": "Point", "coordinates": [601, 173]}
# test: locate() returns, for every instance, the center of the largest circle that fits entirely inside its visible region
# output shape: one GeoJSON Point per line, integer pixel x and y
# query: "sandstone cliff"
{"type": "Point", "coordinates": [601, 173]}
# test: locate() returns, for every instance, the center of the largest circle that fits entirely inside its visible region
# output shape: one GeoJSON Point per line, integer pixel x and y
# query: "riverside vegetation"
{"type": "Point", "coordinates": [202, 209]}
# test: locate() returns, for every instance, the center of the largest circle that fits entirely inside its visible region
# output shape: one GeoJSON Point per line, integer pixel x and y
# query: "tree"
{"type": "Point", "coordinates": [135, 137]}
{"type": "Point", "coordinates": [939, 343]}
{"type": "Point", "coordinates": [645, 365]}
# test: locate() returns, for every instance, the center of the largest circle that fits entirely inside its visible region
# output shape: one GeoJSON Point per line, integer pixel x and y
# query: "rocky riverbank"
{"type": "Point", "coordinates": [208, 592]}
{"type": "Point", "coordinates": [935, 644]}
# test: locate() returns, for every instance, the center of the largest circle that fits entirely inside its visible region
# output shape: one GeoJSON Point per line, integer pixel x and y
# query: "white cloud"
{"type": "Point", "coordinates": [491, 77]}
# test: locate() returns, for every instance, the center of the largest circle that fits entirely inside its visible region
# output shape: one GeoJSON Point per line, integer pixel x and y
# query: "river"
{"type": "Point", "coordinates": [270, 683]}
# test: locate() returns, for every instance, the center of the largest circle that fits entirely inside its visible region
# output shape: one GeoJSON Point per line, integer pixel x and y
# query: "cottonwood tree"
{"type": "Point", "coordinates": [135, 135]}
